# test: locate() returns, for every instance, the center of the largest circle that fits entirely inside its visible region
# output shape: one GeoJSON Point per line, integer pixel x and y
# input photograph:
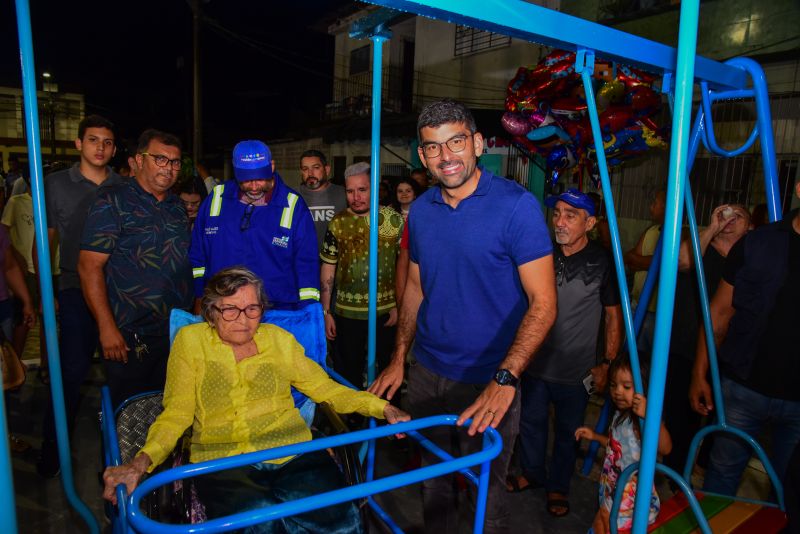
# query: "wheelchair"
{"type": "Point", "coordinates": [165, 501]}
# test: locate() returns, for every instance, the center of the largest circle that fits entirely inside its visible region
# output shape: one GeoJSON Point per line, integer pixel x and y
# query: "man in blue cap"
{"type": "Point", "coordinates": [566, 368]}
{"type": "Point", "coordinates": [259, 222]}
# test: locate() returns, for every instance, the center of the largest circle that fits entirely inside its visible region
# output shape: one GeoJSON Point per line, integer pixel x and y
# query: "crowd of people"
{"type": "Point", "coordinates": [481, 312]}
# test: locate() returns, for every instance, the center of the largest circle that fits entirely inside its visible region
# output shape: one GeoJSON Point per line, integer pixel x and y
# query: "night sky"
{"type": "Point", "coordinates": [264, 69]}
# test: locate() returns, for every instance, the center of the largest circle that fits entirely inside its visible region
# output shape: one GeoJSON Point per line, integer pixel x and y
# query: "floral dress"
{"type": "Point", "coordinates": [623, 449]}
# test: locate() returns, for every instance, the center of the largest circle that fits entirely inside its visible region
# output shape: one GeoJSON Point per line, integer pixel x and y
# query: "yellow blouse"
{"type": "Point", "coordinates": [235, 408]}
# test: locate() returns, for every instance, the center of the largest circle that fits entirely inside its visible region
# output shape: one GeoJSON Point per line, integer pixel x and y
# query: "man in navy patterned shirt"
{"type": "Point", "coordinates": [134, 267]}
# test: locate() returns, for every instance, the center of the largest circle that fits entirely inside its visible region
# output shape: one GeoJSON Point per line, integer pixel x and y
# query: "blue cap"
{"type": "Point", "coordinates": [574, 198]}
{"type": "Point", "coordinates": [252, 160]}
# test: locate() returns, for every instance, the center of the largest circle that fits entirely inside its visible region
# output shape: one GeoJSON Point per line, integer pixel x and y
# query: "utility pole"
{"type": "Point", "coordinates": [197, 129]}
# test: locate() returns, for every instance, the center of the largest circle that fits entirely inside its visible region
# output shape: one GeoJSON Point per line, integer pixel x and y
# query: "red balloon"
{"type": "Point", "coordinates": [643, 100]}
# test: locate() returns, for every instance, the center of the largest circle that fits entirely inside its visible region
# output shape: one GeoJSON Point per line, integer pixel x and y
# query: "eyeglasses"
{"type": "Point", "coordinates": [248, 212]}
{"type": "Point", "coordinates": [455, 144]}
{"type": "Point", "coordinates": [162, 161]}
{"type": "Point", "coordinates": [231, 313]}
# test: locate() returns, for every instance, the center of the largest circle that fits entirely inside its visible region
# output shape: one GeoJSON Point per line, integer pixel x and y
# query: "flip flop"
{"type": "Point", "coordinates": [513, 486]}
{"type": "Point", "coordinates": [557, 502]}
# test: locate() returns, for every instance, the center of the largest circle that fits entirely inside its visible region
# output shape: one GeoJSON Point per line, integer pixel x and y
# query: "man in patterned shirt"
{"type": "Point", "coordinates": [345, 260]}
{"type": "Point", "coordinates": [134, 267]}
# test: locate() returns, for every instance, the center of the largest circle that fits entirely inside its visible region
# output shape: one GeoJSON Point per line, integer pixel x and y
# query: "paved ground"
{"type": "Point", "coordinates": [42, 508]}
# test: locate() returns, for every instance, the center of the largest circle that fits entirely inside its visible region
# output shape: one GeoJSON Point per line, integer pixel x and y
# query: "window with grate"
{"type": "Point", "coordinates": [469, 40]}
{"type": "Point", "coordinates": [359, 60]}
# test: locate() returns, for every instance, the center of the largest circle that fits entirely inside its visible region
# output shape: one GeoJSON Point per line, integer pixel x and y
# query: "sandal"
{"type": "Point", "coordinates": [513, 484]}
{"type": "Point", "coordinates": [557, 506]}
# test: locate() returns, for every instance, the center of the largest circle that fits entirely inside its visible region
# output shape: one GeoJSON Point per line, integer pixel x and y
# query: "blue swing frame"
{"type": "Point", "coordinates": [680, 67]}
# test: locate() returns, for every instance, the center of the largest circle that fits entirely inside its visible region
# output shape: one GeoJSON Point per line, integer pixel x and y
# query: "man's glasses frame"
{"type": "Point", "coordinates": [455, 144]}
{"type": "Point", "coordinates": [231, 313]}
{"type": "Point", "coordinates": [162, 161]}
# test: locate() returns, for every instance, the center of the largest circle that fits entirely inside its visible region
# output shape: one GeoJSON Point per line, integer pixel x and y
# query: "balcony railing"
{"type": "Point", "coordinates": [352, 96]}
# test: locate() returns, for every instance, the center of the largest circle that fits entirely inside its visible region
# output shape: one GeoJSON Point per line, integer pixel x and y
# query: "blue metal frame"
{"type": "Point", "coordinates": [552, 28]}
{"type": "Point", "coordinates": [492, 445]}
{"type": "Point", "coordinates": [43, 250]}
{"type": "Point", "coordinates": [532, 23]}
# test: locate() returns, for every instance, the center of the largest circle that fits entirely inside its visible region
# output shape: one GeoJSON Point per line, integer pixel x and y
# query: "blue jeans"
{"type": "Point", "coordinates": [748, 410]}
{"type": "Point", "coordinates": [570, 405]}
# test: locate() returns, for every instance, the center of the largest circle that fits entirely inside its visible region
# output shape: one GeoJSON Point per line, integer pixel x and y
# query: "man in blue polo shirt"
{"type": "Point", "coordinates": [480, 298]}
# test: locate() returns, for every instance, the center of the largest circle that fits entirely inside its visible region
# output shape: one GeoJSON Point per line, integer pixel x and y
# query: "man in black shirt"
{"type": "Point", "coordinates": [755, 316]}
{"type": "Point", "coordinates": [729, 222]}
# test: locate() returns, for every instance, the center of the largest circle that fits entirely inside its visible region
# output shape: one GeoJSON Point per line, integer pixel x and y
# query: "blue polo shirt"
{"type": "Point", "coordinates": [468, 258]}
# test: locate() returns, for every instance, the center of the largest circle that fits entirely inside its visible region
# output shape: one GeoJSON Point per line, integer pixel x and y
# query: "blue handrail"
{"type": "Point", "coordinates": [492, 447]}
{"type": "Point", "coordinates": [112, 456]}
{"type": "Point", "coordinates": [43, 251]}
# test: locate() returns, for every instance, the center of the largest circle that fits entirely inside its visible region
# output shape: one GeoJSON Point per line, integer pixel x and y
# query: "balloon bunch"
{"type": "Point", "coordinates": [546, 113]}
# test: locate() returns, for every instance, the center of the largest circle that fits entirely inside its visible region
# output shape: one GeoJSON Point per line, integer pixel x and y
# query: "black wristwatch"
{"type": "Point", "coordinates": [504, 377]}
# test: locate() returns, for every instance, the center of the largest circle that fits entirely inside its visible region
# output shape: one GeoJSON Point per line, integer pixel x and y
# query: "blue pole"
{"type": "Point", "coordinates": [8, 512]}
{"type": "Point", "coordinates": [671, 233]}
{"type": "Point", "coordinates": [584, 65]}
{"type": "Point", "coordinates": [43, 250]}
{"type": "Point", "coordinates": [375, 178]}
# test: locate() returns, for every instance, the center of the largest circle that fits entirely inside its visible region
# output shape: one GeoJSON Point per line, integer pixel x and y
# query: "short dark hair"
{"type": "Point", "coordinates": [162, 137]}
{"type": "Point", "coordinates": [314, 154]}
{"type": "Point", "coordinates": [226, 283]}
{"type": "Point", "coordinates": [93, 121]}
{"type": "Point", "coordinates": [192, 185]}
{"type": "Point", "coordinates": [445, 111]}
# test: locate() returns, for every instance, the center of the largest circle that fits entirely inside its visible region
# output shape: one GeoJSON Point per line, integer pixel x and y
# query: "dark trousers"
{"type": "Point", "coordinates": [569, 404]}
{"type": "Point", "coordinates": [350, 358]}
{"type": "Point", "coordinates": [431, 394]}
{"type": "Point", "coordinates": [683, 422]}
{"type": "Point", "coordinates": [255, 486]}
{"type": "Point", "coordinates": [77, 343]}
{"type": "Point", "coordinates": [146, 371]}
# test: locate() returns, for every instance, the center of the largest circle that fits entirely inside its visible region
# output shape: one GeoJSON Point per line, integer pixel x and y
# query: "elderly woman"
{"type": "Point", "coordinates": [230, 380]}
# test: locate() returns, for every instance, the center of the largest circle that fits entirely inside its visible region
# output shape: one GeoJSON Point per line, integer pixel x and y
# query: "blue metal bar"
{"type": "Point", "coordinates": [386, 518]}
{"type": "Point", "coordinates": [530, 22]}
{"type": "Point", "coordinates": [375, 178]}
{"type": "Point", "coordinates": [698, 133]}
{"type": "Point", "coordinates": [762, 456]}
{"type": "Point", "coordinates": [766, 137]}
{"type": "Point", "coordinates": [8, 512]}
{"type": "Point", "coordinates": [43, 250]}
{"type": "Point", "coordinates": [483, 492]}
{"type": "Point", "coordinates": [113, 458]}
{"type": "Point", "coordinates": [671, 234]}
{"type": "Point", "coordinates": [441, 454]}
{"type": "Point", "coordinates": [710, 138]}
{"type": "Point", "coordinates": [685, 488]}
{"type": "Point", "coordinates": [584, 65]}
{"type": "Point", "coordinates": [270, 513]}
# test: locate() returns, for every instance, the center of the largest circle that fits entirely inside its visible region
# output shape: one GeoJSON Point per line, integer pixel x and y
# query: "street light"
{"type": "Point", "coordinates": [49, 87]}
